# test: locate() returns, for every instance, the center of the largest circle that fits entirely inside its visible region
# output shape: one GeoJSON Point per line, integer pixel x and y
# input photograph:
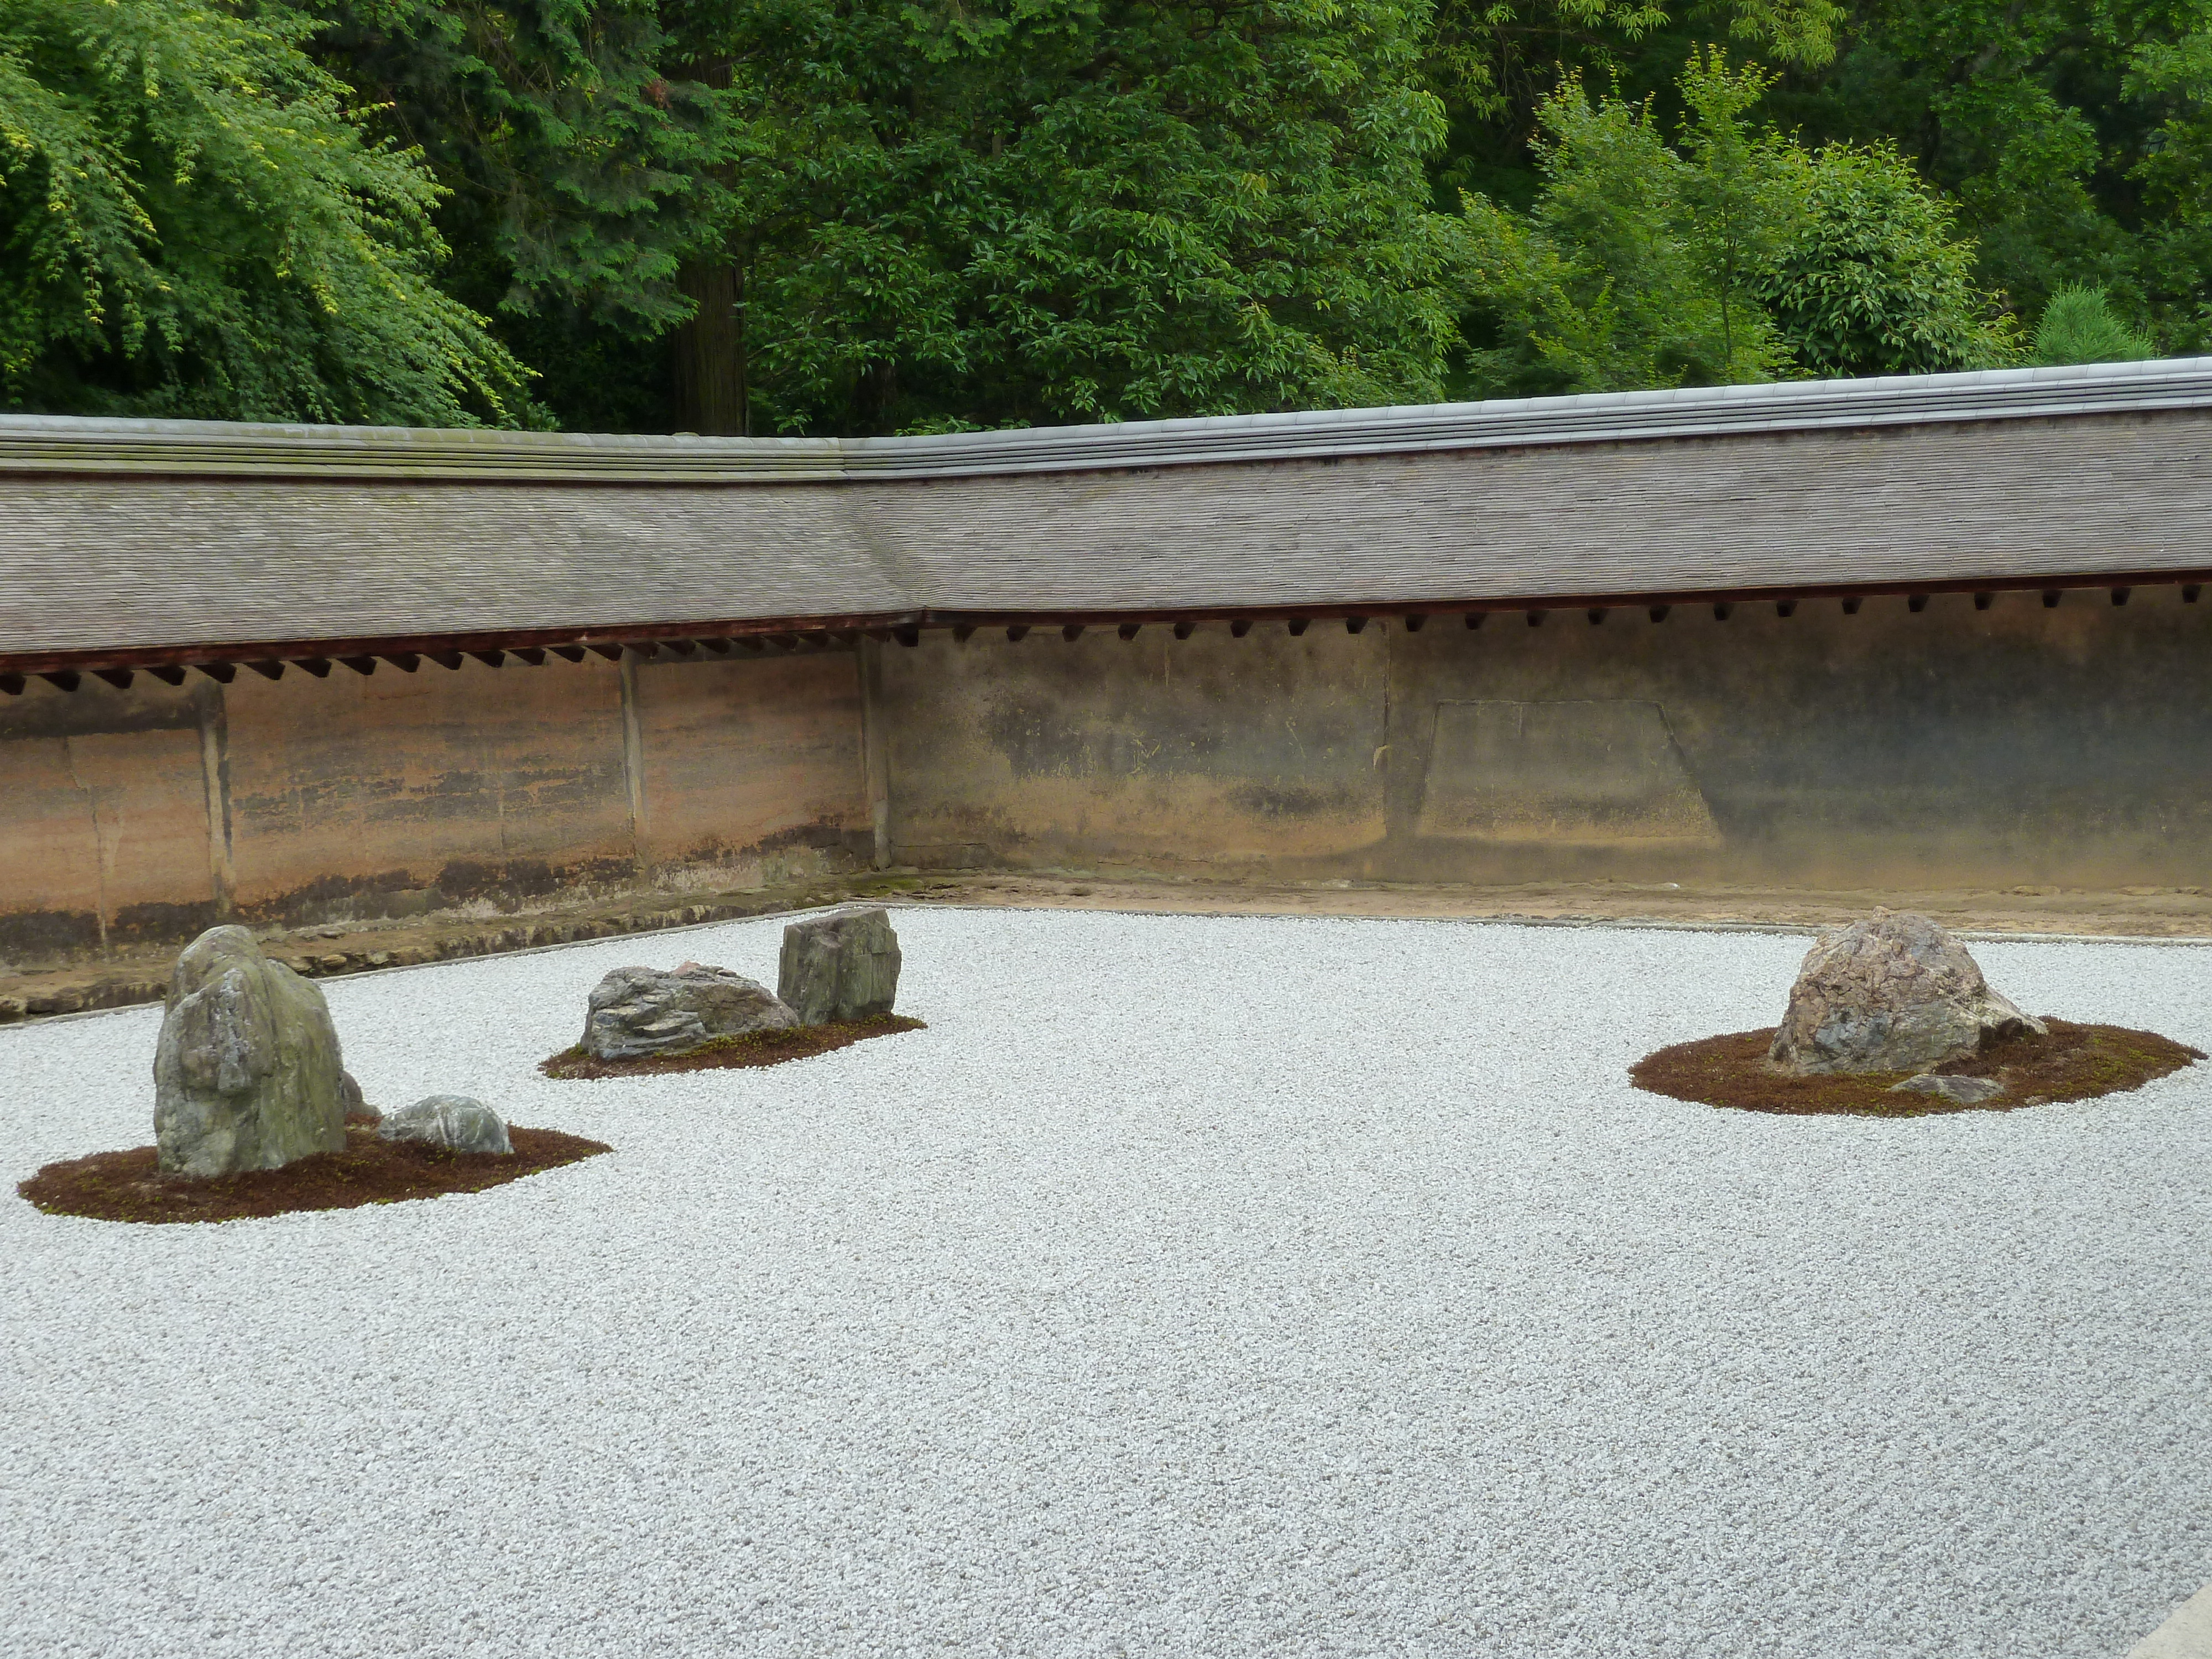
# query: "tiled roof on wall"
{"type": "Point", "coordinates": [145, 542]}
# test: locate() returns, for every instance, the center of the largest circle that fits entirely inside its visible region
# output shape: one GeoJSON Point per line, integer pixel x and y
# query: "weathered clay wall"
{"type": "Point", "coordinates": [1953, 747]}
{"type": "Point", "coordinates": [377, 790]}
{"type": "Point", "coordinates": [1949, 747]}
{"type": "Point", "coordinates": [749, 767]}
{"type": "Point", "coordinates": [1209, 752]}
{"type": "Point", "coordinates": [104, 835]}
{"type": "Point", "coordinates": [149, 813]}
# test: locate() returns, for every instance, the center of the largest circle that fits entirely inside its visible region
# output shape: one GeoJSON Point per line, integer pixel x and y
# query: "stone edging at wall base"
{"type": "Point", "coordinates": [905, 889]}
{"type": "Point", "coordinates": [457, 942]}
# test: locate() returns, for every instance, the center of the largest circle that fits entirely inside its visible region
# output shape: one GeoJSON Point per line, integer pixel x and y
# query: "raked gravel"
{"type": "Point", "coordinates": [1207, 1286]}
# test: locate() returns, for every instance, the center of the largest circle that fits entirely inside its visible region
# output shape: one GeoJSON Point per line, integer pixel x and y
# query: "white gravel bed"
{"type": "Point", "coordinates": [1214, 1287]}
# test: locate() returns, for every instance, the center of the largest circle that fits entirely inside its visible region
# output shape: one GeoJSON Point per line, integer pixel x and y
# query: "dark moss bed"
{"type": "Point", "coordinates": [2074, 1062]}
{"type": "Point", "coordinates": [754, 1049]}
{"type": "Point", "coordinates": [129, 1186]}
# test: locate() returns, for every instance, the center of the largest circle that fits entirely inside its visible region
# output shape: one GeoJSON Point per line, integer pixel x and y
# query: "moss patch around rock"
{"type": "Point", "coordinates": [2074, 1062]}
{"type": "Point", "coordinates": [754, 1049]}
{"type": "Point", "coordinates": [129, 1186]}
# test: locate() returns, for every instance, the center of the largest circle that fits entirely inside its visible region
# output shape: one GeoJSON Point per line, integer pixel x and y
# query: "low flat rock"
{"type": "Point", "coordinates": [456, 1121]}
{"type": "Point", "coordinates": [635, 1011]}
{"type": "Point", "coordinates": [1961, 1091]}
{"type": "Point", "coordinates": [844, 965]}
{"type": "Point", "coordinates": [246, 1071]}
{"type": "Point", "coordinates": [1893, 993]}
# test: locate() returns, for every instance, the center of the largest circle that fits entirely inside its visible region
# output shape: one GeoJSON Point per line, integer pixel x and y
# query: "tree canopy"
{"type": "Point", "coordinates": [194, 224]}
{"type": "Point", "coordinates": [884, 215]}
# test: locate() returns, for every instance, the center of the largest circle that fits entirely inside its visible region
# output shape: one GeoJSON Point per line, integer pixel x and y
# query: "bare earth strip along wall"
{"type": "Point", "coordinates": [1932, 633]}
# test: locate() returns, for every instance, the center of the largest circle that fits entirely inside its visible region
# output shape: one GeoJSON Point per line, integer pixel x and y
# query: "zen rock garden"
{"type": "Point", "coordinates": [836, 983]}
{"type": "Point", "coordinates": [255, 1114]}
{"type": "Point", "coordinates": [1892, 1017]}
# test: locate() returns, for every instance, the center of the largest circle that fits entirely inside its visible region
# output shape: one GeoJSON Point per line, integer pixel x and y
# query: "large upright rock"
{"type": "Point", "coordinates": [1894, 993]}
{"type": "Point", "coordinates": [841, 966]}
{"type": "Point", "coordinates": [635, 1011]}
{"type": "Point", "coordinates": [247, 1074]}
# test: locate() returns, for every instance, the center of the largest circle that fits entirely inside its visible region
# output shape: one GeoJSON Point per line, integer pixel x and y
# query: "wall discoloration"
{"type": "Point", "coordinates": [104, 839]}
{"type": "Point", "coordinates": [150, 813]}
{"type": "Point", "coordinates": [1156, 752]}
{"type": "Point", "coordinates": [1581, 772]}
{"type": "Point", "coordinates": [352, 775]}
{"type": "Point", "coordinates": [753, 770]}
{"type": "Point", "coordinates": [1952, 748]}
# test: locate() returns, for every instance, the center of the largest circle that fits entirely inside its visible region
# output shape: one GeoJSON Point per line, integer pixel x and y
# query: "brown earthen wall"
{"type": "Point", "coordinates": [104, 835]}
{"type": "Point", "coordinates": [752, 769]}
{"type": "Point", "coordinates": [1208, 754]}
{"type": "Point", "coordinates": [151, 812]}
{"type": "Point", "coordinates": [1951, 747]}
{"type": "Point", "coordinates": [1955, 747]}
{"type": "Point", "coordinates": [389, 783]}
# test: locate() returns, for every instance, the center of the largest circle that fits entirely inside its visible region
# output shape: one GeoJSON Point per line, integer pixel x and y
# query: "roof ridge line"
{"type": "Point", "coordinates": [72, 444]}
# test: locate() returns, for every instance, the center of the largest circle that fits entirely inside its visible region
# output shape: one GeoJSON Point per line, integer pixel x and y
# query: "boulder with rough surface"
{"type": "Point", "coordinates": [1893, 993]}
{"type": "Point", "coordinates": [247, 1071]}
{"type": "Point", "coordinates": [635, 1011]}
{"type": "Point", "coordinates": [841, 966]}
{"type": "Point", "coordinates": [450, 1120]}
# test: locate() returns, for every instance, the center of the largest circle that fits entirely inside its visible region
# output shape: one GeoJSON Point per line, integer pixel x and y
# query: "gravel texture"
{"type": "Point", "coordinates": [1225, 1286]}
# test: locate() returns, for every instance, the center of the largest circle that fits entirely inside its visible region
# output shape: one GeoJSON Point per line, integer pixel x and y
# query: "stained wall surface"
{"type": "Point", "coordinates": [750, 764]}
{"type": "Point", "coordinates": [1953, 746]}
{"type": "Point", "coordinates": [104, 833]}
{"type": "Point", "coordinates": [152, 812]}
{"type": "Point", "coordinates": [389, 782]}
{"type": "Point", "coordinates": [1211, 753]}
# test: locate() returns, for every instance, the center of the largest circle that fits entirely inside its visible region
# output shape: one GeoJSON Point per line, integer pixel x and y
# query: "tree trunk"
{"type": "Point", "coordinates": [710, 352]}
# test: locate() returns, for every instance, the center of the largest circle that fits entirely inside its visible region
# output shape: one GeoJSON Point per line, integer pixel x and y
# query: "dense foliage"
{"type": "Point", "coordinates": [877, 215]}
{"type": "Point", "coordinates": [193, 225]}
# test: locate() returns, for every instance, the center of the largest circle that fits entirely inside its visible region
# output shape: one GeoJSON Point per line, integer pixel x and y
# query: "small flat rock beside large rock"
{"type": "Point", "coordinates": [455, 1121]}
{"type": "Point", "coordinates": [844, 965]}
{"type": "Point", "coordinates": [635, 1011]}
{"type": "Point", "coordinates": [1958, 1090]}
{"type": "Point", "coordinates": [1893, 993]}
{"type": "Point", "coordinates": [246, 1071]}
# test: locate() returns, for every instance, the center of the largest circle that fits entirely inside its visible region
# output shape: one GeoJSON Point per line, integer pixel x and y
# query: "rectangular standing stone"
{"type": "Point", "coordinates": [841, 966]}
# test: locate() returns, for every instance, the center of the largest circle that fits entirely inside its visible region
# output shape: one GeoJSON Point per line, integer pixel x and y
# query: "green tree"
{"type": "Point", "coordinates": [1737, 256]}
{"type": "Point", "coordinates": [1611, 282]}
{"type": "Point", "coordinates": [2064, 130]}
{"type": "Point", "coordinates": [1498, 61]}
{"type": "Point", "coordinates": [1495, 62]}
{"type": "Point", "coordinates": [1869, 278]}
{"type": "Point", "coordinates": [1008, 211]}
{"type": "Point", "coordinates": [2078, 327]}
{"type": "Point", "coordinates": [193, 224]}
{"type": "Point", "coordinates": [1738, 191]}
{"type": "Point", "coordinates": [584, 156]}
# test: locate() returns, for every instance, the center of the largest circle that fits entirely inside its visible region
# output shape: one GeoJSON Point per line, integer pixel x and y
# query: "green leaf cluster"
{"type": "Point", "coordinates": [2078, 327]}
{"type": "Point", "coordinates": [193, 222]}
{"type": "Point", "coordinates": [1734, 255]}
{"type": "Point", "coordinates": [882, 215]}
{"type": "Point", "coordinates": [1005, 212]}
